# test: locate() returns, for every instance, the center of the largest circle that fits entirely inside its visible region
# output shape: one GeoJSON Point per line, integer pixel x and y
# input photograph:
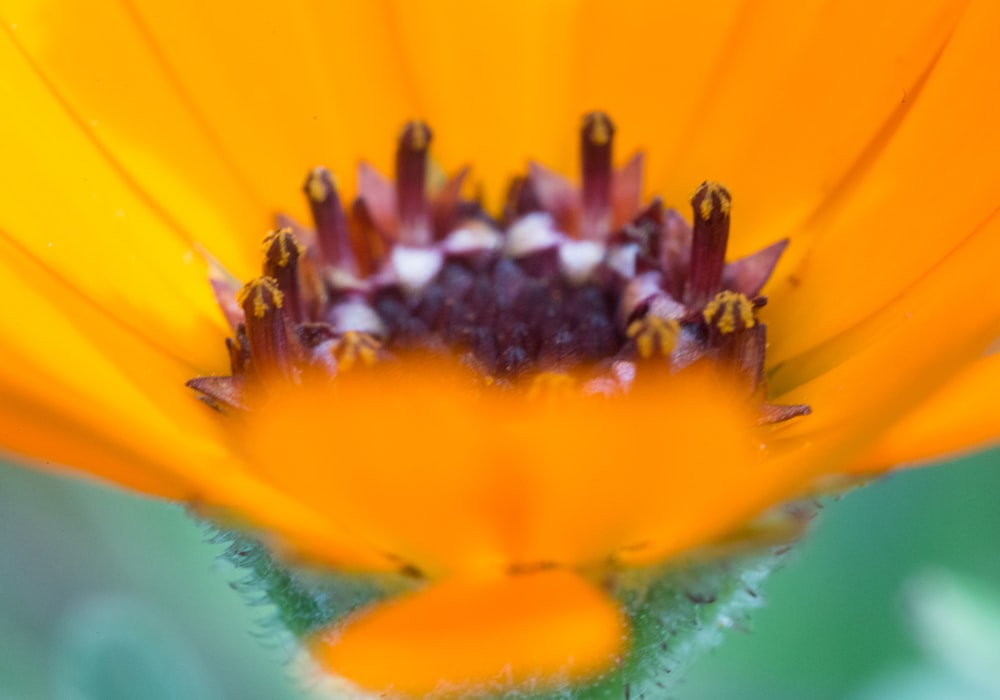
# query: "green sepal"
{"type": "Point", "coordinates": [675, 613]}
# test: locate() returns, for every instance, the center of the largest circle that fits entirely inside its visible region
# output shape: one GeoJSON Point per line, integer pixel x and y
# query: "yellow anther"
{"type": "Point", "coordinates": [286, 243]}
{"type": "Point", "coordinates": [355, 347]}
{"type": "Point", "coordinates": [416, 135]}
{"type": "Point", "coordinates": [729, 312]}
{"type": "Point", "coordinates": [316, 189]}
{"type": "Point", "coordinates": [652, 334]}
{"type": "Point", "coordinates": [264, 293]}
{"type": "Point", "coordinates": [598, 127]}
{"type": "Point", "coordinates": [552, 385]}
{"type": "Point", "coordinates": [712, 191]}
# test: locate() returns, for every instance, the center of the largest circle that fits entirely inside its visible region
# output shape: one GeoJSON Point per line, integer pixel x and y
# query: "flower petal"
{"type": "Point", "coordinates": [896, 359]}
{"type": "Point", "coordinates": [259, 95]}
{"type": "Point", "coordinates": [491, 636]}
{"type": "Point", "coordinates": [76, 216]}
{"type": "Point", "coordinates": [64, 82]}
{"type": "Point", "coordinates": [934, 183]}
{"type": "Point", "coordinates": [58, 371]}
{"type": "Point", "coordinates": [514, 62]}
{"type": "Point", "coordinates": [121, 413]}
{"type": "Point", "coordinates": [959, 416]}
{"type": "Point", "coordinates": [466, 482]}
{"type": "Point", "coordinates": [785, 114]}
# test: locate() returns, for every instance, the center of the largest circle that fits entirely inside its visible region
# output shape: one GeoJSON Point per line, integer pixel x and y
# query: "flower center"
{"type": "Point", "coordinates": [585, 280]}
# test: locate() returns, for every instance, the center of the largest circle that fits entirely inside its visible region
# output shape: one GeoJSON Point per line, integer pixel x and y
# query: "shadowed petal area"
{"type": "Point", "coordinates": [529, 632]}
{"type": "Point", "coordinates": [961, 415]}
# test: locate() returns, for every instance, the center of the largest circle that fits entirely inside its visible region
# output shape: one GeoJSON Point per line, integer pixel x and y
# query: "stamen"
{"type": "Point", "coordinates": [371, 254]}
{"type": "Point", "coordinates": [281, 262]}
{"type": "Point", "coordinates": [271, 347]}
{"type": "Point", "coordinates": [239, 352]}
{"type": "Point", "coordinates": [596, 143]}
{"type": "Point", "coordinates": [711, 204]}
{"type": "Point", "coordinates": [576, 282]}
{"type": "Point", "coordinates": [411, 183]}
{"type": "Point", "coordinates": [333, 236]}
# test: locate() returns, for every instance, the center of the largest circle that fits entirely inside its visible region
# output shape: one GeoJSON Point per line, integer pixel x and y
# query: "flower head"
{"type": "Point", "coordinates": [503, 399]}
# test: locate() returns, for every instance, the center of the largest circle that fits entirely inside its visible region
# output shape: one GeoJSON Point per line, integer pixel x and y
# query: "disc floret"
{"type": "Point", "coordinates": [569, 279]}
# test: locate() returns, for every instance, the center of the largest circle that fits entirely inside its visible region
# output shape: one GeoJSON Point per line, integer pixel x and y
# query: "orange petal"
{"type": "Point", "coordinates": [961, 415]}
{"type": "Point", "coordinates": [27, 429]}
{"type": "Point", "coordinates": [83, 392]}
{"type": "Point", "coordinates": [460, 637]}
{"type": "Point", "coordinates": [899, 357]}
{"type": "Point", "coordinates": [494, 80]}
{"type": "Point", "coordinates": [63, 355]}
{"type": "Point", "coordinates": [390, 460]}
{"type": "Point", "coordinates": [227, 494]}
{"type": "Point", "coordinates": [70, 211]}
{"type": "Point", "coordinates": [932, 185]}
{"type": "Point", "coordinates": [147, 138]}
{"type": "Point", "coordinates": [786, 114]}
{"type": "Point", "coordinates": [278, 89]}
{"type": "Point", "coordinates": [459, 482]}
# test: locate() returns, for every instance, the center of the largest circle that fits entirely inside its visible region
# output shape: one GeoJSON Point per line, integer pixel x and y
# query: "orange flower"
{"type": "Point", "coordinates": [149, 143]}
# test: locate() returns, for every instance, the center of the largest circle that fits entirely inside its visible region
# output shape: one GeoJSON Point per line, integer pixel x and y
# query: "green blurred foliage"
{"type": "Point", "coordinates": [104, 595]}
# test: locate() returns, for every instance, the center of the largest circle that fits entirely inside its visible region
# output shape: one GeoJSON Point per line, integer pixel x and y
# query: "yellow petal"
{"type": "Point", "coordinates": [527, 632]}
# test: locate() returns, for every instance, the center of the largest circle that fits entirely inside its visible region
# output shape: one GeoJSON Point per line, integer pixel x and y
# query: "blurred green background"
{"type": "Point", "coordinates": [896, 594]}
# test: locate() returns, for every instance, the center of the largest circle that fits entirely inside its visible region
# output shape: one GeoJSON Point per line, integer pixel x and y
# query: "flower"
{"type": "Point", "coordinates": [146, 154]}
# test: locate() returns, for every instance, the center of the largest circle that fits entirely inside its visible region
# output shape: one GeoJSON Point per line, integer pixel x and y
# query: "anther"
{"type": "Point", "coordinates": [596, 143]}
{"type": "Point", "coordinates": [654, 335]}
{"type": "Point", "coordinates": [711, 204]}
{"type": "Point", "coordinates": [552, 385]}
{"type": "Point", "coordinates": [411, 181]}
{"type": "Point", "coordinates": [332, 233]}
{"type": "Point", "coordinates": [729, 312]}
{"type": "Point", "coordinates": [266, 326]}
{"type": "Point", "coordinates": [281, 262]}
{"type": "Point", "coordinates": [354, 348]}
